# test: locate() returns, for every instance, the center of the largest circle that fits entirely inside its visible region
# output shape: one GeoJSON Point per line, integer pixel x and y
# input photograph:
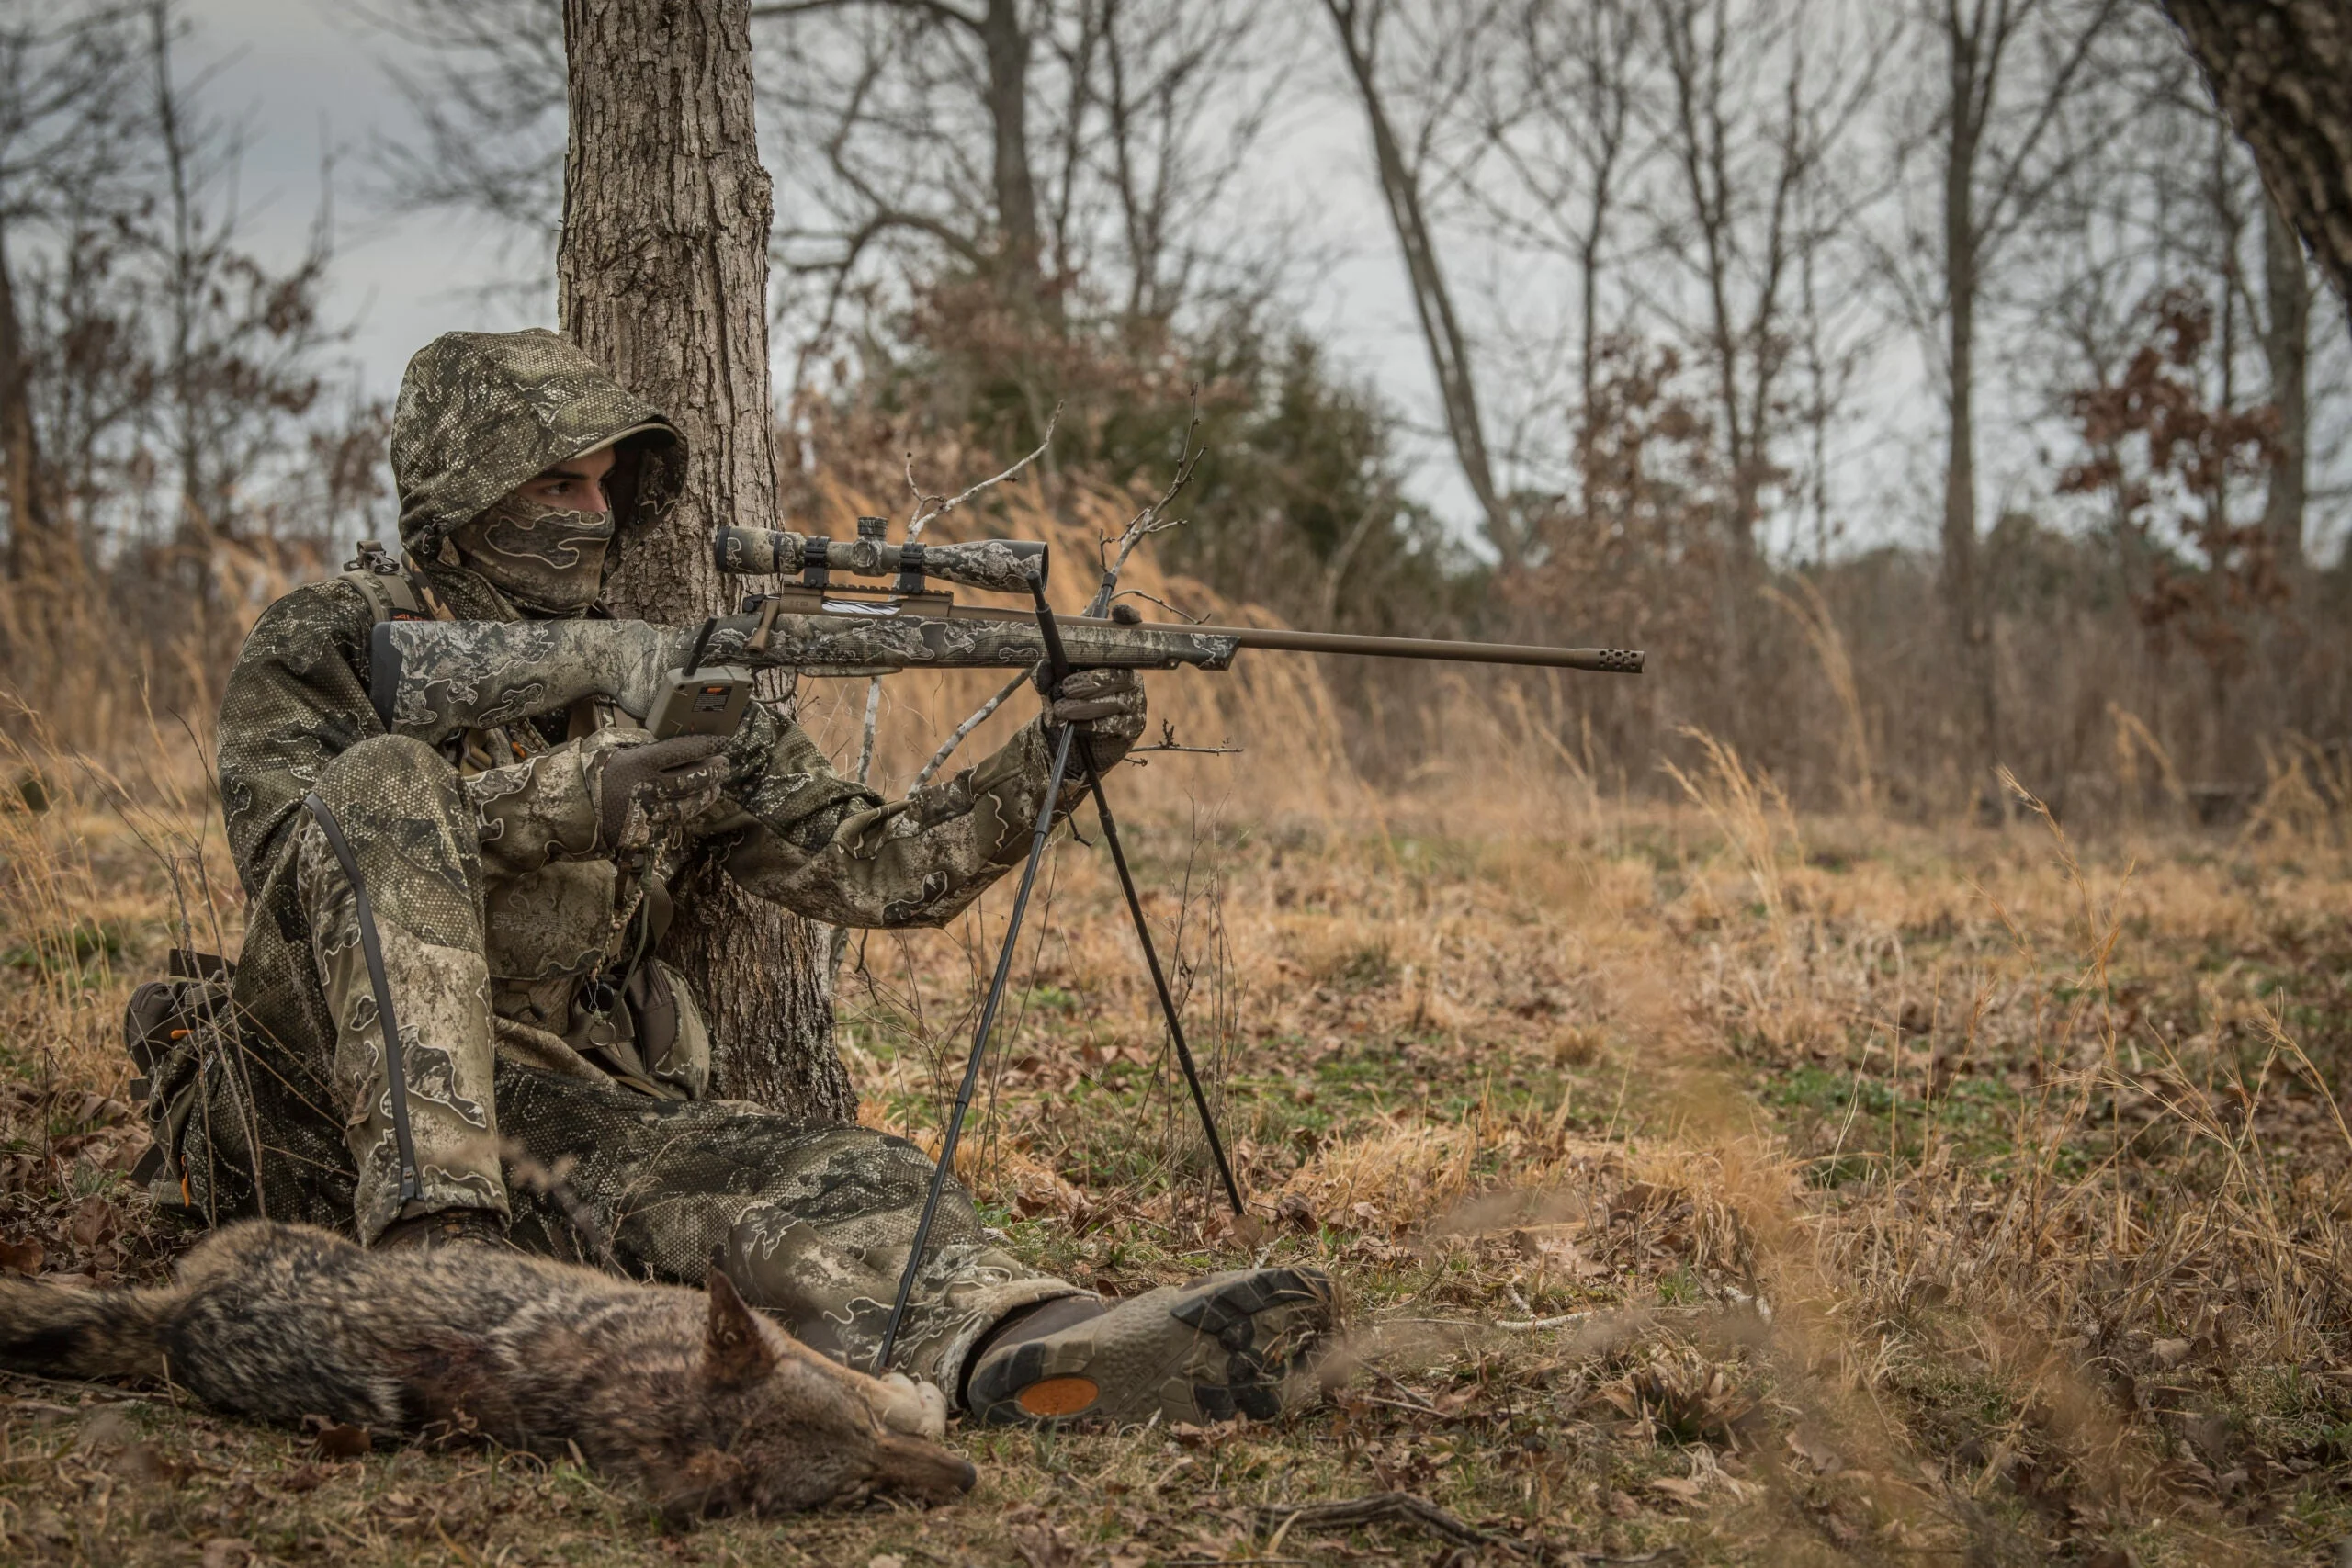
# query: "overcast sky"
{"type": "Point", "coordinates": [305, 79]}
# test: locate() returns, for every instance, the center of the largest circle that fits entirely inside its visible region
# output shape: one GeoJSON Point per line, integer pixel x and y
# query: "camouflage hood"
{"type": "Point", "coordinates": [481, 413]}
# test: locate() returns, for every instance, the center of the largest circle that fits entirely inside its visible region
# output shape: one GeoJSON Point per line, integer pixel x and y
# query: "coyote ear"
{"type": "Point", "coordinates": [737, 1352]}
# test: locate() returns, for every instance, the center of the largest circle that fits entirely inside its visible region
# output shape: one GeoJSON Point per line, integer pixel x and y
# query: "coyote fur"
{"type": "Point", "coordinates": [707, 1406]}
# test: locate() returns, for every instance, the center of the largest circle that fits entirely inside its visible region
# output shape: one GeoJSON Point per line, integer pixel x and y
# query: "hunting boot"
{"type": "Point", "coordinates": [1242, 1343]}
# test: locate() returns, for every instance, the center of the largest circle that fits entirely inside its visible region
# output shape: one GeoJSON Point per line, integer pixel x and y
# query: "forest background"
{"type": "Point", "coordinates": [1927, 391]}
{"type": "Point", "coordinates": [1863, 1090]}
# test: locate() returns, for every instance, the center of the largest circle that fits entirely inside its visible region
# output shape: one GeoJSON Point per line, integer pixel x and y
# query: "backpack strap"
{"type": "Point", "coordinates": [390, 589]}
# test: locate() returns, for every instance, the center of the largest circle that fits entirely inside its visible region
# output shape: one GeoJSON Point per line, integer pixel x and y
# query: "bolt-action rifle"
{"type": "Point", "coordinates": [434, 679]}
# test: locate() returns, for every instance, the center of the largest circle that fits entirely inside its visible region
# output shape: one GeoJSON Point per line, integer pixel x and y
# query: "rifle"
{"type": "Point", "coordinates": [434, 679]}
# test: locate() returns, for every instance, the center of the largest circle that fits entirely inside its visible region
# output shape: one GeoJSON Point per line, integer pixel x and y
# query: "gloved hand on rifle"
{"type": "Point", "coordinates": [647, 790]}
{"type": "Point", "coordinates": [1106, 705]}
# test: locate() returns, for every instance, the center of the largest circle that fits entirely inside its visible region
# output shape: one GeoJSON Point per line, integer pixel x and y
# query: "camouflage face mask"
{"type": "Point", "coordinates": [542, 557]}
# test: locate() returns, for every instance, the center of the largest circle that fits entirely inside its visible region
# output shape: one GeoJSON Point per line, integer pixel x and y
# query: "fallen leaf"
{"type": "Point", "coordinates": [21, 1257]}
{"type": "Point", "coordinates": [1637, 1199]}
{"type": "Point", "coordinates": [302, 1478]}
{"type": "Point", "coordinates": [112, 1424]}
{"type": "Point", "coordinates": [343, 1442]}
{"type": "Point", "coordinates": [146, 1464]}
{"type": "Point", "coordinates": [1679, 1487]}
{"type": "Point", "coordinates": [2169, 1353]}
{"type": "Point", "coordinates": [227, 1552]}
{"type": "Point", "coordinates": [91, 1221]}
{"type": "Point", "coordinates": [886, 1560]}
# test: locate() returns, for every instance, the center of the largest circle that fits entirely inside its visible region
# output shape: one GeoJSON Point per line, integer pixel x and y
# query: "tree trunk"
{"type": "Point", "coordinates": [1021, 248]}
{"type": "Point", "coordinates": [662, 278]}
{"type": "Point", "coordinates": [32, 541]}
{"type": "Point", "coordinates": [1963, 589]}
{"type": "Point", "coordinates": [1449, 354]}
{"type": "Point", "coordinates": [2281, 71]}
{"type": "Point", "coordinates": [2286, 349]}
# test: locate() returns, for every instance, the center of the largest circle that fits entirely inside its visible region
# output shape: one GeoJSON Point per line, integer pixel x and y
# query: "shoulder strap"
{"type": "Point", "coordinates": [386, 584]}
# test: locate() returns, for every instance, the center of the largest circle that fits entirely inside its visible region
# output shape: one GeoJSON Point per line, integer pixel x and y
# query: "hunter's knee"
{"type": "Point", "coordinates": [396, 773]}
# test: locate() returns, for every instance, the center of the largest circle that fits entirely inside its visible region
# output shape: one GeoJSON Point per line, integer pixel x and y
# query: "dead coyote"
{"type": "Point", "coordinates": [707, 1406]}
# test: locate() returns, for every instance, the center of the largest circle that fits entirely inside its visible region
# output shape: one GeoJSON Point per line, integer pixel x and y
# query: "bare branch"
{"type": "Point", "coordinates": [979, 716]}
{"type": "Point", "coordinates": [1146, 522]}
{"type": "Point", "coordinates": [1156, 599]}
{"type": "Point", "coordinates": [924, 518]}
{"type": "Point", "coordinates": [1152, 519]}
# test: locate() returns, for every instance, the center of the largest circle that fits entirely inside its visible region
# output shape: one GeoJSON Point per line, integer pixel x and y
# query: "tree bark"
{"type": "Point", "coordinates": [2281, 72]}
{"type": "Point", "coordinates": [662, 278]}
{"type": "Point", "coordinates": [32, 541]}
{"type": "Point", "coordinates": [1963, 592]}
{"type": "Point", "coordinates": [2286, 350]}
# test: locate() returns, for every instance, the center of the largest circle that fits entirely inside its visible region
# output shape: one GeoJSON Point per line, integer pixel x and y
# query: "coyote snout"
{"type": "Point", "coordinates": [705, 1404]}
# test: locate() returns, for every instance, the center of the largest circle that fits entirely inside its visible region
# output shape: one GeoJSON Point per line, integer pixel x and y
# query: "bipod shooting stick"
{"type": "Point", "coordinates": [1057, 661]}
{"type": "Point", "coordinates": [1067, 740]}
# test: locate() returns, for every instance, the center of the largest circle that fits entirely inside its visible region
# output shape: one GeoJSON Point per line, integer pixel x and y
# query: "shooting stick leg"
{"type": "Point", "coordinates": [1043, 832]}
{"type": "Point", "coordinates": [1159, 977]}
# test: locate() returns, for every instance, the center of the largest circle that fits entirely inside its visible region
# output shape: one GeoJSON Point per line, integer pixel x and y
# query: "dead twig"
{"type": "Point", "coordinates": [1536, 1324]}
{"type": "Point", "coordinates": [929, 508]}
{"type": "Point", "coordinates": [979, 716]}
{"type": "Point", "coordinates": [1151, 520]}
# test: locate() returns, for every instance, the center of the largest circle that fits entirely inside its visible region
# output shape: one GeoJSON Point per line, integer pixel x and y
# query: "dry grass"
{"type": "Point", "coordinates": [1879, 1192]}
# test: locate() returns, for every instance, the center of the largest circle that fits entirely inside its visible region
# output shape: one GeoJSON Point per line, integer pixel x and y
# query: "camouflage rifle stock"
{"type": "Point", "coordinates": [434, 679]}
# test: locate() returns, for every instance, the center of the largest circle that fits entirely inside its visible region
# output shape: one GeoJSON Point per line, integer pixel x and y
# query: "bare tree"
{"type": "Point", "coordinates": [2286, 351]}
{"type": "Point", "coordinates": [2012, 70]}
{"type": "Point", "coordinates": [1101, 132]}
{"type": "Point", "coordinates": [1760, 102]}
{"type": "Point", "coordinates": [1564, 118]}
{"type": "Point", "coordinates": [663, 274]}
{"type": "Point", "coordinates": [489, 110]}
{"type": "Point", "coordinates": [1446, 61]}
{"type": "Point", "coordinates": [62, 131]}
{"type": "Point", "coordinates": [238, 360]}
{"type": "Point", "coordinates": [2281, 71]}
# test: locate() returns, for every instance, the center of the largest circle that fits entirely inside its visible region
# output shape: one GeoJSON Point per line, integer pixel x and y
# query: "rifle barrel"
{"type": "Point", "coordinates": [1606, 661]}
{"type": "Point", "coordinates": [1602, 660]}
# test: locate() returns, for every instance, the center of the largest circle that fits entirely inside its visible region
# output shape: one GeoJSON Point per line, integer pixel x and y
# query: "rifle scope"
{"type": "Point", "coordinates": [994, 566]}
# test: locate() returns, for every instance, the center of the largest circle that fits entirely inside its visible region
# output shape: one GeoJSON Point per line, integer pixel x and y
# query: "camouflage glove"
{"type": "Point", "coordinates": [750, 749]}
{"type": "Point", "coordinates": [646, 790]}
{"type": "Point", "coordinates": [1107, 707]}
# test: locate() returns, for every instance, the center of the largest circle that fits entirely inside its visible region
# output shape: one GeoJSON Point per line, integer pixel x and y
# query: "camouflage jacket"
{"type": "Point", "coordinates": [477, 415]}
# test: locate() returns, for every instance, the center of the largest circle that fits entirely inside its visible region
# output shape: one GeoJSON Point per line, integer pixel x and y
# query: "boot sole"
{"type": "Point", "coordinates": [1064, 1376]}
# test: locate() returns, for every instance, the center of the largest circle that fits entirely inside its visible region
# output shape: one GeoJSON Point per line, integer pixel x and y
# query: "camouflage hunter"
{"type": "Point", "coordinates": [522, 873]}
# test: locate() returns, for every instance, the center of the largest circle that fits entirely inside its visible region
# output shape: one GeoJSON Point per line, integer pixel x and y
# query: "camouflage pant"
{"type": "Point", "coordinates": [413, 838]}
{"type": "Point", "coordinates": [812, 1222]}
